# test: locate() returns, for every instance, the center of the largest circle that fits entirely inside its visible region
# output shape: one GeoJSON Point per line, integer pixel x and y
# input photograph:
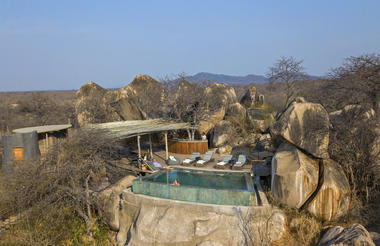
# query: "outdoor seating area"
{"type": "Point", "coordinates": [210, 160]}
{"type": "Point", "coordinates": [150, 157]}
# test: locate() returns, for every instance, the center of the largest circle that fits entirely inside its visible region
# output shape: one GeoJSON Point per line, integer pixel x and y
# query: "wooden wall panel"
{"type": "Point", "coordinates": [187, 147]}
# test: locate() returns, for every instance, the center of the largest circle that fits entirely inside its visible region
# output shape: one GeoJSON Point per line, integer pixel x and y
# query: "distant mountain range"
{"type": "Point", "coordinates": [231, 79]}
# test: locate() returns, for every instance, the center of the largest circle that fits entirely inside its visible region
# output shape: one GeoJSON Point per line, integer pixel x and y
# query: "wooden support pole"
{"type": "Point", "coordinates": [47, 141]}
{"type": "Point", "coordinates": [138, 145]}
{"type": "Point", "coordinates": [166, 145]}
{"type": "Point", "coordinates": [150, 146]}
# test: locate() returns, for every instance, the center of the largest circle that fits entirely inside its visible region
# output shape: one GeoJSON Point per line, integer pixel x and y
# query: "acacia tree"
{"type": "Point", "coordinates": [286, 70]}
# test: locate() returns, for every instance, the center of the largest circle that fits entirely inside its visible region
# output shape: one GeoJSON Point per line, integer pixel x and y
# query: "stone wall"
{"type": "Point", "coordinates": [146, 220]}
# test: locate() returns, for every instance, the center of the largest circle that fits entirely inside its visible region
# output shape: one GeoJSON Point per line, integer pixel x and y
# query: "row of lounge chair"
{"type": "Point", "coordinates": [195, 157]}
{"type": "Point", "coordinates": [227, 160]}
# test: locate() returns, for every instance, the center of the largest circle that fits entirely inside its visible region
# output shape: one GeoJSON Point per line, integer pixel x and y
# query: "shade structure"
{"type": "Point", "coordinates": [133, 128]}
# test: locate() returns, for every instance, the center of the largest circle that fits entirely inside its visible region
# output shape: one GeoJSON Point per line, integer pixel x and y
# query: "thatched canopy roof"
{"type": "Point", "coordinates": [132, 128]}
{"type": "Point", "coordinates": [42, 129]}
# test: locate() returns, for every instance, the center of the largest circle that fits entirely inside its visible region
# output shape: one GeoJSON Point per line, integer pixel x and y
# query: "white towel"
{"type": "Point", "coordinates": [221, 163]}
{"type": "Point", "coordinates": [238, 163]}
{"type": "Point", "coordinates": [200, 161]}
{"type": "Point", "coordinates": [187, 161]}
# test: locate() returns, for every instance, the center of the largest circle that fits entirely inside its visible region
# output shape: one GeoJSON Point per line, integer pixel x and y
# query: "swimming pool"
{"type": "Point", "coordinates": [203, 186]}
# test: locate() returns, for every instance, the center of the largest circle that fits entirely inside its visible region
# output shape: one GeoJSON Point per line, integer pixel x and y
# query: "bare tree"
{"type": "Point", "coordinates": [286, 70]}
{"type": "Point", "coordinates": [186, 101]}
{"type": "Point", "coordinates": [40, 107]}
{"type": "Point", "coordinates": [358, 79]}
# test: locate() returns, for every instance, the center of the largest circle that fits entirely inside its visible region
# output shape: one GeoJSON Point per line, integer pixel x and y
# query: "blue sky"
{"type": "Point", "coordinates": [47, 45]}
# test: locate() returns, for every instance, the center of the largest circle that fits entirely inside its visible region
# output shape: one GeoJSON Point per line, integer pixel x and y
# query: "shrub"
{"type": "Point", "coordinates": [52, 198]}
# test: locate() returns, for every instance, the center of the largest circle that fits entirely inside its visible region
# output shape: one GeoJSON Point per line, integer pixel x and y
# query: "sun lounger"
{"type": "Point", "coordinates": [225, 162]}
{"type": "Point", "coordinates": [242, 159]}
{"type": "Point", "coordinates": [206, 158]}
{"type": "Point", "coordinates": [172, 161]}
{"type": "Point", "coordinates": [191, 159]}
{"type": "Point", "coordinates": [151, 166]}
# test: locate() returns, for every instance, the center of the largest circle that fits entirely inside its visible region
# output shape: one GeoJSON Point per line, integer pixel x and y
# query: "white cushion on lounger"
{"type": "Point", "coordinates": [187, 161]}
{"type": "Point", "coordinates": [200, 161]}
{"type": "Point", "coordinates": [221, 163]}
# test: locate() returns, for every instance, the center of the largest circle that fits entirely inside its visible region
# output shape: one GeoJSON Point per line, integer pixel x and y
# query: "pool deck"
{"type": "Point", "coordinates": [160, 156]}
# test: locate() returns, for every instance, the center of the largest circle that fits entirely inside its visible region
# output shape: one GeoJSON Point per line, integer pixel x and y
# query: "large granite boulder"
{"type": "Point", "coordinates": [145, 92]}
{"type": "Point", "coordinates": [294, 176]}
{"type": "Point", "coordinates": [221, 94]}
{"type": "Point", "coordinates": [221, 133]}
{"type": "Point", "coordinates": [333, 197]}
{"type": "Point", "coordinates": [236, 111]}
{"type": "Point", "coordinates": [305, 125]}
{"type": "Point", "coordinates": [218, 96]}
{"type": "Point", "coordinates": [127, 109]}
{"type": "Point", "coordinates": [95, 104]}
{"type": "Point", "coordinates": [89, 105]}
{"type": "Point", "coordinates": [154, 221]}
{"type": "Point", "coordinates": [259, 119]}
{"type": "Point", "coordinates": [205, 125]}
{"type": "Point", "coordinates": [354, 235]}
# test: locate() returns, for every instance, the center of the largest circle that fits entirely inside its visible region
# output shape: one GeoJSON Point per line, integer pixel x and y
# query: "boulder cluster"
{"type": "Point", "coordinates": [95, 104]}
{"type": "Point", "coordinates": [248, 113]}
{"type": "Point", "coordinates": [293, 147]}
{"type": "Point", "coordinates": [303, 175]}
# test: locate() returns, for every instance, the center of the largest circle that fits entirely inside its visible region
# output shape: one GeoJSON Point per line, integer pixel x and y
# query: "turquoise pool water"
{"type": "Point", "coordinates": [228, 188]}
{"type": "Point", "coordinates": [202, 179]}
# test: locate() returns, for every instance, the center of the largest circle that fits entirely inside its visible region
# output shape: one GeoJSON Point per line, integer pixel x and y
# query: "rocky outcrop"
{"type": "Point", "coordinates": [296, 183]}
{"type": "Point", "coordinates": [236, 111]}
{"type": "Point", "coordinates": [354, 112]}
{"type": "Point", "coordinates": [265, 143]}
{"type": "Point", "coordinates": [259, 119]}
{"type": "Point", "coordinates": [155, 221]}
{"type": "Point", "coordinates": [110, 198]}
{"type": "Point", "coordinates": [252, 98]}
{"type": "Point", "coordinates": [354, 235]}
{"type": "Point", "coordinates": [95, 104]}
{"type": "Point", "coordinates": [249, 97]}
{"type": "Point", "coordinates": [221, 94]}
{"type": "Point", "coordinates": [206, 125]}
{"type": "Point", "coordinates": [219, 97]}
{"type": "Point", "coordinates": [226, 149]}
{"type": "Point", "coordinates": [333, 197]}
{"type": "Point", "coordinates": [221, 133]}
{"type": "Point", "coordinates": [140, 84]}
{"type": "Point", "coordinates": [305, 125]}
{"type": "Point", "coordinates": [294, 176]}
{"type": "Point", "coordinates": [127, 109]}
{"type": "Point", "coordinates": [145, 92]}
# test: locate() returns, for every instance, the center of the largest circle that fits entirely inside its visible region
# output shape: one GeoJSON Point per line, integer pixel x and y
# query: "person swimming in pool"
{"type": "Point", "coordinates": [176, 183]}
